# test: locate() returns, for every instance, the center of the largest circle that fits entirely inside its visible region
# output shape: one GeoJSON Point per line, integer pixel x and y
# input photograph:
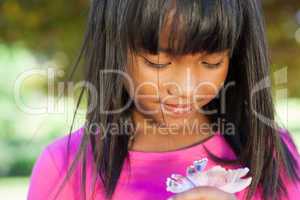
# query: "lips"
{"type": "Point", "coordinates": [178, 108]}
{"type": "Point", "coordinates": [179, 105]}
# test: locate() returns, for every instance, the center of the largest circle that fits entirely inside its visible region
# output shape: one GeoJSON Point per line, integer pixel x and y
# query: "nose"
{"type": "Point", "coordinates": [183, 85]}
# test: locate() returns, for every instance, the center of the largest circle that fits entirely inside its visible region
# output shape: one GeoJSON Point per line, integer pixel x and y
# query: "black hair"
{"type": "Point", "coordinates": [114, 26]}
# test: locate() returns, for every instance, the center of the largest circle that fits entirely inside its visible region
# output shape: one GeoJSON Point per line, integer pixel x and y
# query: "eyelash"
{"type": "Point", "coordinates": [211, 66]}
{"type": "Point", "coordinates": [155, 65]}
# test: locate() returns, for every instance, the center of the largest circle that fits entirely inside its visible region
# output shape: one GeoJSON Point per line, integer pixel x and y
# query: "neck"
{"type": "Point", "coordinates": [148, 136]}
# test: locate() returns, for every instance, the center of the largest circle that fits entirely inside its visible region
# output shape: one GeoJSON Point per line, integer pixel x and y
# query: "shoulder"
{"type": "Point", "coordinates": [64, 144]}
{"type": "Point", "coordinates": [62, 150]}
{"type": "Point", "coordinates": [52, 162]}
{"type": "Point", "coordinates": [288, 140]}
{"type": "Point", "coordinates": [292, 186]}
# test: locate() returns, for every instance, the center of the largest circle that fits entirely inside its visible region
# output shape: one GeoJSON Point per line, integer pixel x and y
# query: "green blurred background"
{"type": "Point", "coordinates": [41, 35]}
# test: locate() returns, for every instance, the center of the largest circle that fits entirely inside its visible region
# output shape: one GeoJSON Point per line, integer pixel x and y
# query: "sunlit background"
{"type": "Point", "coordinates": [39, 37]}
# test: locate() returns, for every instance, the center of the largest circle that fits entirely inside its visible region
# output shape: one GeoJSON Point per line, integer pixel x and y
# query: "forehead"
{"type": "Point", "coordinates": [164, 37]}
{"type": "Point", "coordinates": [181, 29]}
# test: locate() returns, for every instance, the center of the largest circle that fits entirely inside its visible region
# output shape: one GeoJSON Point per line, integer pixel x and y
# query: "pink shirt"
{"type": "Point", "coordinates": [149, 170]}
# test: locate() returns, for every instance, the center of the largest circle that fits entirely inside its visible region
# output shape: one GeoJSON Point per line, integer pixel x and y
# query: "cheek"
{"type": "Point", "coordinates": [209, 87]}
{"type": "Point", "coordinates": [146, 96]}
{"type": "Point", "coordinates": [144, 86]}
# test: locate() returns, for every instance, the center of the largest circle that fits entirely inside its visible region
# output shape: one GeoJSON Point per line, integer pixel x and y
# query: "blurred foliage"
{"type": "Point", "coordinates": [40, 34]}
{"type": "Point", "coordinates": [50, 29]}
{"type": "Point", "coordinates": [282, 22]}
{"type": "Point", "coordinates": [23, 135]}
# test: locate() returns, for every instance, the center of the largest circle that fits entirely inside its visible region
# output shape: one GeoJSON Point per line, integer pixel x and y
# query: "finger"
{"type": "Point", "coordinates": [205, 192]}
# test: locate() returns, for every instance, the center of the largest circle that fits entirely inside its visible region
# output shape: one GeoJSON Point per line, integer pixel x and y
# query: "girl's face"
{"type": "Point", "coordinates": [162, 79]}
{"type": "Point", "coordinates": [190, 79]}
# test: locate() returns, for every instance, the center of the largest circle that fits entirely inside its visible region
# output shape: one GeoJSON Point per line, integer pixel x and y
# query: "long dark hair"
{"type": "Point", "coordinates": [114, 26]}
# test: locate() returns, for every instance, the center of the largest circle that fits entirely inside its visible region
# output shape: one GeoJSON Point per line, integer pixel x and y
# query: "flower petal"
{"type": "Point", "coordinates": [236, 186]}
{"type": "Point", "coordinates": [200, 164]}
{"type": "Point", "coordinates": [227, 180]}
{"type": "Point", "coordinates": [178, 183]}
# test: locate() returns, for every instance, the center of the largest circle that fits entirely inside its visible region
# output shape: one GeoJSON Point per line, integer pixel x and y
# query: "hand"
{"type": "Point", "coordinates": [203, 193]}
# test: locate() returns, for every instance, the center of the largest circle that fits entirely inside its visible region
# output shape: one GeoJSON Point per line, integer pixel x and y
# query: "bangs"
{"type": "Point", "coordinates": [189, 26]}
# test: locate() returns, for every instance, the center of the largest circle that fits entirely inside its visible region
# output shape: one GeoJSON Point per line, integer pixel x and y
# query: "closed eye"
{"type": "Point", "coordinates": [151, 64]}
{"type": "Point", "coordinates": [212, 65]}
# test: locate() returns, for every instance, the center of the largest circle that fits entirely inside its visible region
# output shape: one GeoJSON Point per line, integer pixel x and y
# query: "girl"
{"type": "Point", "coordinates": [171, 82]}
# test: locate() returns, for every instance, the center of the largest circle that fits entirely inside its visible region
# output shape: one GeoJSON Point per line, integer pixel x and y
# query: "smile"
{"type": "Point", "coordinates": [179, 109]}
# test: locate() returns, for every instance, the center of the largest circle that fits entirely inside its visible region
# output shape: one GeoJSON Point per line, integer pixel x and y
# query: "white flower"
{"type": "Point", "coordinates": [227, 180]}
